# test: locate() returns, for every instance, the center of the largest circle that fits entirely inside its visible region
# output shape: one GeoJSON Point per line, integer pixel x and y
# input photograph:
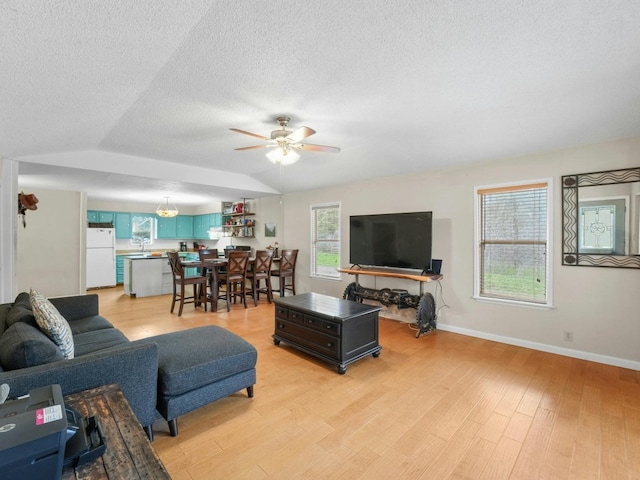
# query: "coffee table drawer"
{"type": "Point", "coordinates": [317, 341]}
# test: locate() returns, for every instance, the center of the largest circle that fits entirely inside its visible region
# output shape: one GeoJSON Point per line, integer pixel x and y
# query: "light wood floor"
{"type": "Point", "coordinates": [444, 406]}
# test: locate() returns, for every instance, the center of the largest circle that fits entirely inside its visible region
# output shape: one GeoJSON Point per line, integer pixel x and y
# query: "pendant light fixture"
{"type": "Point", "coordinates": [166, 210]}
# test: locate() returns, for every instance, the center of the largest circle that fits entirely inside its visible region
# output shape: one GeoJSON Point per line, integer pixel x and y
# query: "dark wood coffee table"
{"type": "Point", "coordinates": [335, 330]}
{"type": "Point", "coordinates": [129, 454]}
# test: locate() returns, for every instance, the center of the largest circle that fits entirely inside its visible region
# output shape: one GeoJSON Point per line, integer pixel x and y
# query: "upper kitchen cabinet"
{"type": "Point", "coordinates": [202, 224]}
{"type": "Point", "coordinates": [99, 216]}
{"type": "Point", "coordinates": [175, 227]}
{"type": "Point", "coordinates": [184, 226]}
{"type": "Point", "coordinates": [215, 220]}
{"type": "Point", "coordinates": [167, 227]}
{"type": "Point", "coordinates": [123, 225]}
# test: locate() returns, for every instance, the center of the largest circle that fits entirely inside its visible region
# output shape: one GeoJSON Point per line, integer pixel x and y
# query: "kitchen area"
{"type": "Point", "coordinates": [140, 242]}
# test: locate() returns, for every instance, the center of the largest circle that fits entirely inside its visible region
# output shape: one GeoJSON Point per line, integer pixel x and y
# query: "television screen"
{"type": "Point", "coordinates": [401, 240]}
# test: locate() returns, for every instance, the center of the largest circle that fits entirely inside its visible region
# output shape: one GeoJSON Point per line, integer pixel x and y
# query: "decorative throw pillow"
{"type": "Point", "coordinates": [54, 325]}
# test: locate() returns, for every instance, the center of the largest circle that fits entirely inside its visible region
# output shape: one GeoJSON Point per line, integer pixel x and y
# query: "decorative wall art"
{"type": "Point", "coordinates": [269, 229]}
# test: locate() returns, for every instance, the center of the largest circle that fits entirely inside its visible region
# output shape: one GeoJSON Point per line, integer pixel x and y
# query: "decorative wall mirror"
{"type": "Point", "coordinates": [601, 219]}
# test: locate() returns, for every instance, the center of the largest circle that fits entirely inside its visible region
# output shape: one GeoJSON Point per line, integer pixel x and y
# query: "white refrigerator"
{"type": "Point", "coordinates": [101, 257]}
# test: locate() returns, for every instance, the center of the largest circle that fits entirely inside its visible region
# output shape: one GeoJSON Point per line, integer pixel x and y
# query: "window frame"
{"type": "Point", "coordinates": [313, 240]}
{"type": "Point", "coordinates": [477, 254]}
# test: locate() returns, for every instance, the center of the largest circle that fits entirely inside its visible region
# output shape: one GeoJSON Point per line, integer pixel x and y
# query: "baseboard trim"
{"type": "Point", "coordinates": [567, 352]}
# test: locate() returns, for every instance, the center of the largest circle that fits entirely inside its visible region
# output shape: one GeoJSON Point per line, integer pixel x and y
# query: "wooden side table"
{"type": "Point", "coordinates": [129, 454]}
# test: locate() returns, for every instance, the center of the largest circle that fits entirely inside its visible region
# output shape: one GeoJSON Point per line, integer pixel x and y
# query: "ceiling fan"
{"type": "Point", "coordinates": [287, 141]}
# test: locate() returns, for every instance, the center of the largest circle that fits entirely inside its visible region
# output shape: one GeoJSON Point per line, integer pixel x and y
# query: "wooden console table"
{"type": "Point", "coordinates": [425, 304]}
{"type": "Point", "coordinates": [129, 454]}
{"type": "Point", "coordinates": [332, 329]}
{"type": "Point", "coordinates": [382, 272]}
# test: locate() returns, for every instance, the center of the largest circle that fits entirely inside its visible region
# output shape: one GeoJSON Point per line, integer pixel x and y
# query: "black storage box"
{"type": "Point", "coordinates": [33, 433]}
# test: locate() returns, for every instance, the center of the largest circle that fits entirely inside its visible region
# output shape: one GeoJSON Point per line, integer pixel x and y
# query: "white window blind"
{"type": "Point", "coordinates": [513, 250]}
{"type": "Point", "coordinates": [325, 240]}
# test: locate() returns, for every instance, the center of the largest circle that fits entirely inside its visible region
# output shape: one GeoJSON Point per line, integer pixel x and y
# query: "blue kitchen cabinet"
{"type": "Point", "coordinates": [99, 216]}
{"type": "Point", "coordinates": [190, 272]}
{"type": "Point", "coordinates": [120, 269]}
{"type": "Point", "coordinates": [167, 227]}
{"type": "Point", "coordinates": [123, 225]}
{"type": "Point", "coordinates": [184, 227]}
{"type": "Point", "coordinates": [215, 220]}
{"type": "Point", "coordinates": [180, 227]}
{"type": "Point", "coordinates": [200, 226]}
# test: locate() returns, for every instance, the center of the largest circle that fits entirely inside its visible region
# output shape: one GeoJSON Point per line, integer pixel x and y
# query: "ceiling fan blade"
{"type": "Point", "coordinates": [300, 134]}
{"type": "Point", "coordinates": [317, 148]}
{"type": "Point", "coordinates": [253, 147]}
{"type": "Point", "coordinates": [251, 134]}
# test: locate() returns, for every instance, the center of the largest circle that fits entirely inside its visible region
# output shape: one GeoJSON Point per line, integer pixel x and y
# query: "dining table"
{"type": "Point", "coordinates": [210, 268]}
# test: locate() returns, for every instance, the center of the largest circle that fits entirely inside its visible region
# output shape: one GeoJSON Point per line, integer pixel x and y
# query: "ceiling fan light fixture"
{"type": "Point", "coordinates": [165, 210]}
{"type": "Point", "coordinates": [282, 156]}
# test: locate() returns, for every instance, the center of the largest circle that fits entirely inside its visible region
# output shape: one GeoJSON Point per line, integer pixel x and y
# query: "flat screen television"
{"type": "Point", "coordinates": [399, 240]}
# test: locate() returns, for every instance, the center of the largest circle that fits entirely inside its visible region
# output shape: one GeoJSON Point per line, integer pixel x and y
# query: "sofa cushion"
{"type": "Point", "coordinates": [22, 345]}
{"type": "Point", "coordinates": [21, 313]}
{"type": "Point", "coordinates": [23, 299]}
{"type": "Point", "coordinates": [89, 324]}
{"type": "Point", "coordinates": [4, 312]}
{"type": "Point", "coordinates": [95, 340]}
{"type": "Point", "coordinates": [52, 323]}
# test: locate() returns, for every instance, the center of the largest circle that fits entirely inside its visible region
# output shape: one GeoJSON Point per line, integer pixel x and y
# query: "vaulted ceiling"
{"type": "Point", "coordinates": [135, 99]}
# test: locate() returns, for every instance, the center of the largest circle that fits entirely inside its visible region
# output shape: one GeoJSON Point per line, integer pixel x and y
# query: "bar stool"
{"type": "Point", "coordinates": [286, 269]}
{"type": "Point", "coordinates": [261, 271]}
{"type": "Point", "coordinates": [199, 283]}
{"type": "Point", "coordinates": [235, 278]}
{"type": "Point", "coordinates": [207, 255]}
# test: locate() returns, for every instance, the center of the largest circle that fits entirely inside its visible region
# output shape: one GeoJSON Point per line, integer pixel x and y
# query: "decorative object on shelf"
{"type": "Point", "coordinates": [286, 141]}
{"type": "Point", "coordinates": [26, 201]}
{"type": "Point", "coordinates": [167, 210]}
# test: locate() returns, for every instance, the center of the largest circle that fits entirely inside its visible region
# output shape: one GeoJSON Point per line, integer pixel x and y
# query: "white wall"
{"type": "Point", "coordinates": [51, 249]}
{"type": "Point", "coordinates": [599, 305]}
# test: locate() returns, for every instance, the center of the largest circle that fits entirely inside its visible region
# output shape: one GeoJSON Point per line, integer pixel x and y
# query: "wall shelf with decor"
{"type": "Point", "coordinates": [237, 219]}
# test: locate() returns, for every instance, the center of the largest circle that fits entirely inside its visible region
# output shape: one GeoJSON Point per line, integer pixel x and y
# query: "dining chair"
{"type": "Point", "coordinates": [286, 269]}
{"type": "Point", "coordinates": [211, 254]}
{"type": "Point", "coordinates": [261, 271]}
{"type": "Point", "coordinates": [235, 278]}
{"type": "Point", "coordinates": [181, 280]}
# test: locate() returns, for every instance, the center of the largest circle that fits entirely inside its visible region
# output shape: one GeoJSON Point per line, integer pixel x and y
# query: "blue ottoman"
{"type": "Point", "coordinates": [201, 365]}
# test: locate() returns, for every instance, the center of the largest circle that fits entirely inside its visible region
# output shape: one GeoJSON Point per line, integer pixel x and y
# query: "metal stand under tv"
{"type": "Point", "coordinates": [424, 303]}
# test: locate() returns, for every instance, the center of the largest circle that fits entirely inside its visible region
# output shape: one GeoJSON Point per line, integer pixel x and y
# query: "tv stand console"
{"type": "Point", "coordinates": [424, 303]}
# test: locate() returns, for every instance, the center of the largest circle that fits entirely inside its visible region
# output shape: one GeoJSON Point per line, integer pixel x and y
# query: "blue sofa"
{"type": "Point", "coordinates": [170, 374]}
{"type": "Point", "coordinates": [103, 355]}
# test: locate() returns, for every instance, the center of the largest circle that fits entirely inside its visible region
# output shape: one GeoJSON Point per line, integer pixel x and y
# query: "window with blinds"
{"type": "Point", "coordinates": [325, 240]}
{"type": "Point", "coordinates": [513, 254]}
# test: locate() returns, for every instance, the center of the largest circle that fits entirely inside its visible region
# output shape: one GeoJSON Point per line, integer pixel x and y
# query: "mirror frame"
{"type": "Point", "coordinates": [571, 185]}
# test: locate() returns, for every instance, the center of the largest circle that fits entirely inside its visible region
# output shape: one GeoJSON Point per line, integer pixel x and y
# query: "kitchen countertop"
{"type": "Point", "coordinates": [147, 254]}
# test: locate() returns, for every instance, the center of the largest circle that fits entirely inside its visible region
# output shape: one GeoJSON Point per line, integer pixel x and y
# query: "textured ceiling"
{"type": "Point", "coordinates": [149, 89]}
